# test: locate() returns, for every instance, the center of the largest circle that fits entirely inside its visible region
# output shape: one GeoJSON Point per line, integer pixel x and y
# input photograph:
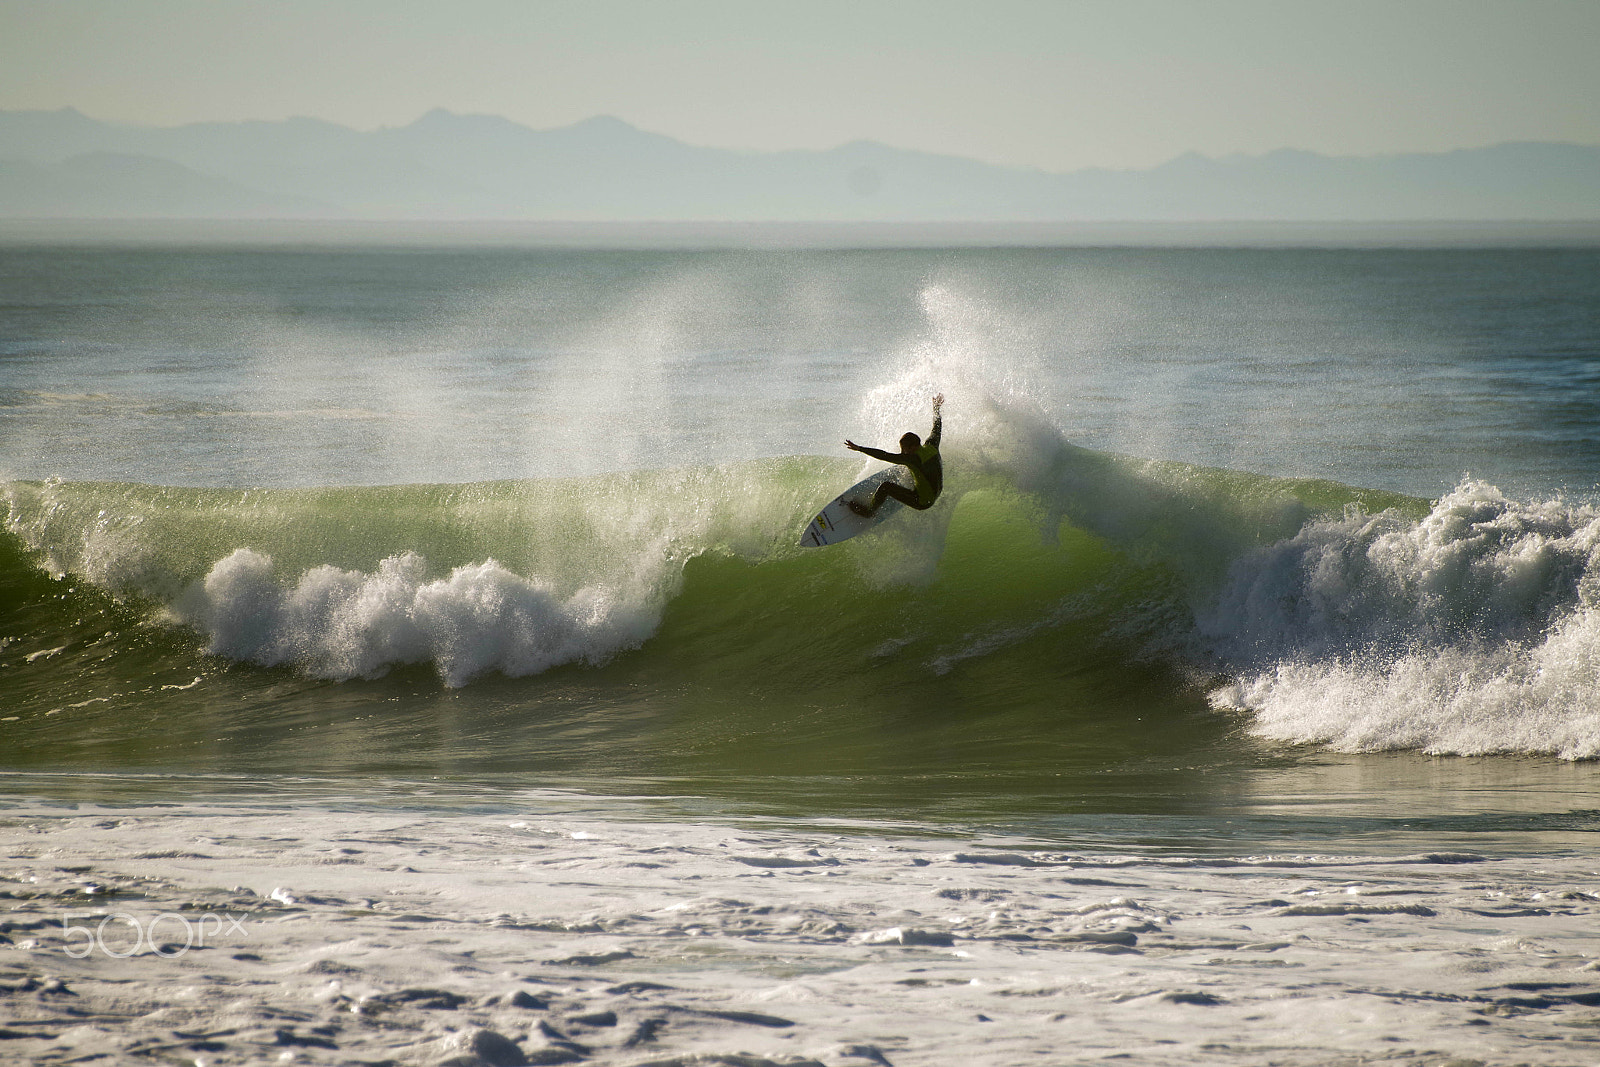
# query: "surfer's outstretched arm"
{"type": "Point", "coordinates": [875, 453]}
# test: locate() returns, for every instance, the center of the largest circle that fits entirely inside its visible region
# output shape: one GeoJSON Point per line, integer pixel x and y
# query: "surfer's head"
{"type": "Point", "coordinates": [910, 442]}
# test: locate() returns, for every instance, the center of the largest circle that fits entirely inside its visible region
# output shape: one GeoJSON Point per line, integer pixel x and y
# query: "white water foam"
{"type": "Point", "coordinates": [1472, 631]}
{"type": "Point", "coordinates": [342, 624]}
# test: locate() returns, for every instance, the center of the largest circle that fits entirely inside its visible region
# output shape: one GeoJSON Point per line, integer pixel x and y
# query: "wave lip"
{"type": "Point", "coordinates": [341, 624]}
{"type": "Point", "coordinates": [1473, 631]}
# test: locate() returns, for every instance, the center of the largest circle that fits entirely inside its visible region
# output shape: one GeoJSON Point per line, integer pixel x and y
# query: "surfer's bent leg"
{"type": "Point", "coordinates": [908, 497]}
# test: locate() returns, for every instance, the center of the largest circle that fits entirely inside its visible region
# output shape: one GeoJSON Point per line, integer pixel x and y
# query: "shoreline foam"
{"type": "Point", "coordinates": [406, 937]}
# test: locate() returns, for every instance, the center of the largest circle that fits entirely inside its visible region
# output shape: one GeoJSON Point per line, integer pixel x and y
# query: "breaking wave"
{"type": "Point", "coordinates": [1326, 614]}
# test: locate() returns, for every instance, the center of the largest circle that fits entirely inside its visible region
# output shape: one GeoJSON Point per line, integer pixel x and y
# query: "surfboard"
{"type": "Point", "coordinates": [837, 522]}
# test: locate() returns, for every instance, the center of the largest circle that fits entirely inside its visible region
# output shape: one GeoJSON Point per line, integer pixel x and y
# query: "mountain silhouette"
{"type": "Point", "coordinates": [63, 164]}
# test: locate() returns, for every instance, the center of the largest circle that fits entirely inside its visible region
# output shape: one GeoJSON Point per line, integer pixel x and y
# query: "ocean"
{"type": "Point", "coordinates": [1250, 560]}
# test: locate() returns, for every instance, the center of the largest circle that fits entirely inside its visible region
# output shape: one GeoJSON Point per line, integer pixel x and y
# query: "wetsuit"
{"type": "Point", "coordinates": [926, 470]}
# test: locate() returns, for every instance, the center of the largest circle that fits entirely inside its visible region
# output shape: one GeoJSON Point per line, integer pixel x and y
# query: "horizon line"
{"type": "Point", "coordinates": [779, 235]}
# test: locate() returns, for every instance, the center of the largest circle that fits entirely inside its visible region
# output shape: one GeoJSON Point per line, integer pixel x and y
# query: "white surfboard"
{"type": "Point", "coordinates": [836, 522]}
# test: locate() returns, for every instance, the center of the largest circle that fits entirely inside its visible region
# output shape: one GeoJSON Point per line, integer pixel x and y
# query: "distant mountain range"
{"type": "Point", "coordinates": [63, 164]}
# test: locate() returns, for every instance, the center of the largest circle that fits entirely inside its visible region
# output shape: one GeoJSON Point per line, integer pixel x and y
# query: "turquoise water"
{"type": "Point", "coordinates": [1238, 530]}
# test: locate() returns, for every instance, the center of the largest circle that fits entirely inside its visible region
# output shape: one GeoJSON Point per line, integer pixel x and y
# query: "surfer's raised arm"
{"type": "Point", "coordinates": [938, 422]}
{"type": "Point", "coordinates": [875, 453]}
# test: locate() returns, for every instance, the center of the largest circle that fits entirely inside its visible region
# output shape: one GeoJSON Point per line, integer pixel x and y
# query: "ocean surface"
{"type": "Point", "coordinates": [1238, 546]}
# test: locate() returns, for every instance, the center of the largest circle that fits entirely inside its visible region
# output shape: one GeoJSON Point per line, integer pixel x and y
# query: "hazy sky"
{"type": "Point", "coordinates": [1055, 85]}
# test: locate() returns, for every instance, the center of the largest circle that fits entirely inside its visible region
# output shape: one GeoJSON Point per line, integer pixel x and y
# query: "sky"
{"type": "Point", "coordinates": [1057, 86]}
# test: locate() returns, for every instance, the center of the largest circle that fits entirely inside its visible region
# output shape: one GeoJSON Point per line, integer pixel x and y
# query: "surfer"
{"type": "Point", "coordinates": [919, 458]}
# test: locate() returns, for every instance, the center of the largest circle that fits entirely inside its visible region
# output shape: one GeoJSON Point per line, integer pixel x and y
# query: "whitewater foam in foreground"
{"type": "Point", "coordinates": [547, 935]}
